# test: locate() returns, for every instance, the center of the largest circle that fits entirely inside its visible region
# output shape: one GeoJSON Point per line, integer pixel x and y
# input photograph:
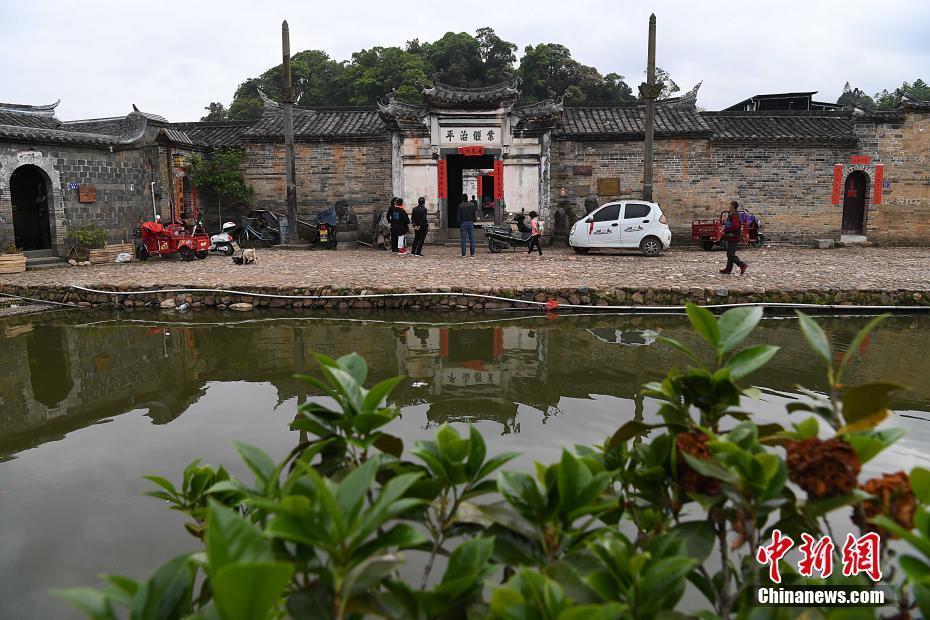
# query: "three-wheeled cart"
{"type": "Point", "coordinates": [709, 233]}
{"type": "Point", "coordinates": [171, 240]}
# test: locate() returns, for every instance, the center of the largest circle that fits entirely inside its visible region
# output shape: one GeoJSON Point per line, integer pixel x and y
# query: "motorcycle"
{"type": "Point", "coordinates": [222, 242]}
{"type": "Point", "coordinates": [504, 237]}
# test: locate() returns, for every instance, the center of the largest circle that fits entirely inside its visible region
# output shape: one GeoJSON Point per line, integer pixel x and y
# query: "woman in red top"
{"type": "Point", "coordinates": [731, 232]}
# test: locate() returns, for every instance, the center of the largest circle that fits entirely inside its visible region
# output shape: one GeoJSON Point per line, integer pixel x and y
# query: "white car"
{"type": "Point", "coordinates": [623, 224]}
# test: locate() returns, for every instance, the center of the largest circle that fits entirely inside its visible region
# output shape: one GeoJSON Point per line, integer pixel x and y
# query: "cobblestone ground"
{"type": "Point", "coordinates": [783, 268]}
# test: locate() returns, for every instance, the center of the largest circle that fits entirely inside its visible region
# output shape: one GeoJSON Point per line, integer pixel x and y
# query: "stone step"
{"type": "Point", "coordinates": [29, 254]}
{"type": "Point", "coordinates": [45, 262]}
{"type": "Point", "coordinates": [6, 302]}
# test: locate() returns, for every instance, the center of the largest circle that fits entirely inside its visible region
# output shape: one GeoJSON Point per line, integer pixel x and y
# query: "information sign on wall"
{"type": "Point", "coordinates": [87, 193]}
{"type": "Point", "coordinates": [860, 160]}
{"type": "Point", "coordinates": [608, 187]}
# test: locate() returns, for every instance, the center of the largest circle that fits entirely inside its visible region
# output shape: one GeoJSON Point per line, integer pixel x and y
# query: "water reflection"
{"type": "Point", "coordinates": [58, 377]}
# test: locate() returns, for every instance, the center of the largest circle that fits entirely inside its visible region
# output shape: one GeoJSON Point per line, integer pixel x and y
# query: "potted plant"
{"type": "Point", "coordinates": [85, 239]}
{"type": "Point", "coordinates": [12, 260]}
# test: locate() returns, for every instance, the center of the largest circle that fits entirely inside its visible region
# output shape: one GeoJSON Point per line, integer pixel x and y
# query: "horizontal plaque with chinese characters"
{"type": "Point", "coordinates": [462, 136]}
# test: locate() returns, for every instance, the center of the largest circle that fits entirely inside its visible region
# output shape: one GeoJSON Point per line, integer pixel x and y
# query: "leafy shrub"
{"type": "Point", "coordinates": [609, 531]}
{"type": "Point", "coordinates": [86, 238]}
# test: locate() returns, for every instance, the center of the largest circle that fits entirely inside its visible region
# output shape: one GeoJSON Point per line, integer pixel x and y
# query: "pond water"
{"type": "Point", "coordinates": [89, 403]}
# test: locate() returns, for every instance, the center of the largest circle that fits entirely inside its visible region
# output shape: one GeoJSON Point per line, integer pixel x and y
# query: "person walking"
{"type": "Point", "coordinates": [731, 232]}
{"type": "Point", "coordinates": [420, 226]}
{"type": "Point", "coordinates": [400, 225]}
{"type": "Point", "coordinates": [467, 213]}
{"type": "Point", "coordinates": [390, 220]}
{"type": "Point", "coordinates": [535, 233]}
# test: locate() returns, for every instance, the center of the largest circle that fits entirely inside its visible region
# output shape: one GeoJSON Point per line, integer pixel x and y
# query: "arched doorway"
{"type": "Point", "coordinates": [29, 193]}
{"type": "Point", "coordinates": [857, 186]}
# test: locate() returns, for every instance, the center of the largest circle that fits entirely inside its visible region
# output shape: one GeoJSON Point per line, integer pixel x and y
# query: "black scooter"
{"type": "Point", "coordinates": [503, 237]}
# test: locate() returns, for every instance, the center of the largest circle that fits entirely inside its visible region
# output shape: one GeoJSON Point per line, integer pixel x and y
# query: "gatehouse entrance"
{"type": "Point", "coordinates": [29, 195]}
{"type": "Point", "coordinates": [857, 185]}
{"type": "Point", "coordinates": [455, 166]}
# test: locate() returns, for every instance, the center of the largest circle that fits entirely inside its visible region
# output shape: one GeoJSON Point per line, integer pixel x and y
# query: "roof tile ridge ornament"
{"type": "Point", "coordinates": [909, 102]}
{"type": "Point", "coordinates": [269, 103]}
{"type": "Point", "coordinates": [395, 108]}
{"type": "Point", "coordinates": [37, 110]}
{"type": "Point", "coordinates": [548, 108]}
{"type": "Point", "coordinates": [440, 92]}
{"type": "Point", "coordinates": [687, 100]}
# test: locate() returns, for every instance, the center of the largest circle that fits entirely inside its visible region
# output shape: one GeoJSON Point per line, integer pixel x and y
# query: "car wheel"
{"type": "Point", "coordinates": [707, 245]}
{"type": "Point", "coordinates": [651, 246]}
{"type": "Point", "coordinates": [186, 253]}
{"type": "Point", "coordinates": [580, 250]}
{"type": "Point", "coordinates": [202, 254]}
{"type": "Point", "coordinates": [495, 248]}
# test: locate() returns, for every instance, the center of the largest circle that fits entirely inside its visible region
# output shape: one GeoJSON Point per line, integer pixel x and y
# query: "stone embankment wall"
{"type": "Point", "coordinates": [458, 298]}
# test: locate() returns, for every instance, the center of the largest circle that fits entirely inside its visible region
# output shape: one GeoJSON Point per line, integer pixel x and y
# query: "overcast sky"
{"type": "Point", "coordinates": [173, 58]}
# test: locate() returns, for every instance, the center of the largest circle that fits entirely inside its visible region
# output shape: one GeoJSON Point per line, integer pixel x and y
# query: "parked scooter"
{"type": "Point", "coordinates": [222, 242]}
{"type": "Point", "coordinates": [504, 237]}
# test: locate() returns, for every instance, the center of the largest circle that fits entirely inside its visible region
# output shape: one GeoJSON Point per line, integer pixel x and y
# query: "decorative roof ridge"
{"type": "Point", "coordinates": [22, 108]}
{"type": "Point", "coordinates": [774, 113]}
{"type": "Point", "coordinates": [543, 109]}
{"type": "Point", "coordinates": [270, 104]}
{"type": "Point", "coordinates": [93, 120]}
{"type": "Point", "coordinates": [107, 139]}
{"type": "Point", "coordinates": [225, 123]}
{"type": "Point", "coordinates": [157, 118]}
{"type": "Point", "coordinates": [913, 103]}
{"type": "Point", "coordinates": [689, 98]}
{"type": "Point", "coordinates": [340, 108]}
{"type": "Point", "coordinates": [513, 83]}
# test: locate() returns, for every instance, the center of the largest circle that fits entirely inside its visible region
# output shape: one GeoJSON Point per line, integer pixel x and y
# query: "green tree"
{"type": "Point", "coordinates": [216, 111]}
{"type": "Point", "coordinates": [221, 172]}
{"type": "Point", "coordinates": [246, 105]}
{"type": "Point", "coordinates": [375, 72]}
{"type": "Point", "coordinates": [497, 55]}
{"type": "Point", "coordinates": [855, 98]}
{"type": "Point", "coordinates": [455, 59]}
{"type": "Point", "coordinates": [890, 100]}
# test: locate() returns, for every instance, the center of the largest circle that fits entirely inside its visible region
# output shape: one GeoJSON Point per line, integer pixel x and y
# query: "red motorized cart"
{"type": "Point", "coordinates": [173, 239]}
{"type": "Point", "coordinates": [709, 233]}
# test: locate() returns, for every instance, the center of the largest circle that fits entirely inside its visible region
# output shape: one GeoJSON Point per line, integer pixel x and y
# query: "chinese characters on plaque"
{"type": "Point", "coordinates": [458, 136]}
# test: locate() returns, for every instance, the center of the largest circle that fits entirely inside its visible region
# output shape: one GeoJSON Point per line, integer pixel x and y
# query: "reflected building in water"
{"type": "Point", "coordinates": [58, 378]}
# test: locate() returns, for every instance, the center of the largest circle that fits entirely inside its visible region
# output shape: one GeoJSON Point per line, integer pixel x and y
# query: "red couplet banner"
{"type": "Point", "coordinates": [837, 183]}
{"type": "Point", "coordinates": [441, 179]}
{"type": "Point", "coordinates": [498, 179]}
{"type": "Point", "coordinates": [879, 177]}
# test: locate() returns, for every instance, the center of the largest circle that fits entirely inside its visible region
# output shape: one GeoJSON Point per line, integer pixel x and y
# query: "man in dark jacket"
{"type": "Point", "coordinates": [400, 224]}
{"type": "Point", "coordinates": [467, 213]}
{"type": "Point", "coordinates": [420, 226]}
{"type": "Point", "coordinates": [731, 232]}
{"type": "Point", "coordinates": [389, 217]}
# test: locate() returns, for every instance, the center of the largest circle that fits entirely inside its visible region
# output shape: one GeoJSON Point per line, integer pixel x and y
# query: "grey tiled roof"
{"type": "Point", "coordinates": [782, 126]}
{"type": "Point", "coordinates": [627, 122]}
{"type": "Point", "coordinates": [321, 124]}
{"type": "Point", "coordinates": [12, 117]}
{"type": "Point", "coordinates": [55, 136]}
{"type": "Point", "coordinates": [113, 126]}
{"type": "Point", "coordinates": [215, 133]}
{"type": "Point", "coordinates": [911, 103]}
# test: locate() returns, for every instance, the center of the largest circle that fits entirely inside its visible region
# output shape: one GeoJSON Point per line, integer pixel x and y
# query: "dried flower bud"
{"type": "Point", "coordinates": [823, 468]}
{"type": "Point", "coordinates": [689, 481]}
{"type": "Point", "coordinates": [893, 498]}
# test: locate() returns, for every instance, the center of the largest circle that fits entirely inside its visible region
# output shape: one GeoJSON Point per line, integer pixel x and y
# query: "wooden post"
{"type": "Point", "coordinates": [290, 168]}
{"type": "Point", "coordinates": [648, 91]}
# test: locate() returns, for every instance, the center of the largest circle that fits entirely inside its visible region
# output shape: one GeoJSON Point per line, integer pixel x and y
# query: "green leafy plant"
{"type": "Point", "coordinates": [86, 238]}
{"type": "Point", "coordinates": [347, 526]}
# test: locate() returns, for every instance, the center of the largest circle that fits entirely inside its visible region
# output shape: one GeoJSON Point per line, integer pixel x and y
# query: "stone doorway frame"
{"type": "Point", "coordinates": [866, 197]}
{"type": "Point", "coordinates": [46, 164]}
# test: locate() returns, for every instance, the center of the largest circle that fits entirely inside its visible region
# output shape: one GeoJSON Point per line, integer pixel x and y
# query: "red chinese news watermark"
{"type": "Point", "coordinates": [860, 556]}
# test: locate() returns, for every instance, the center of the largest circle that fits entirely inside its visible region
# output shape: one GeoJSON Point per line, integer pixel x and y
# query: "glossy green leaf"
{"type": "Point", "coordinates": [816, 337]}
{"type": "Point", "coordinates": [351, 493]}
{"type": "Point", "coordinates": [705, 323]}
{"type": "Point", "coordinates": [750, 359]}
{"type": "Point", "coordinates": [920, 484]}
{"type": "Point", "coordinates": [256, 460]}
{"type": "Point", "coordinates": [389, 444]}
{"type": "Point", "coordinates": [230, 538]}
{"type": "Point", "coordinates": [697, 537]}
{"type": "Point", "coordinates": [674, 343]}
{"type": "Point", "coordinates": [250, 591]}
{"type": "Point", "coordinates": [870, 443]}
{"type": "Point", "coordinates": [629, 430]}
{"type": "Point", "coordinates": [736, 324]}
{"type": "Point", "coordinates": [355, 365]}
{"type": "Point", "coordinates": [866, 400]}
{"type": "Point", "coordinates": [167, 593]}
{"type": "Point", "coordinates": [92, 602]}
